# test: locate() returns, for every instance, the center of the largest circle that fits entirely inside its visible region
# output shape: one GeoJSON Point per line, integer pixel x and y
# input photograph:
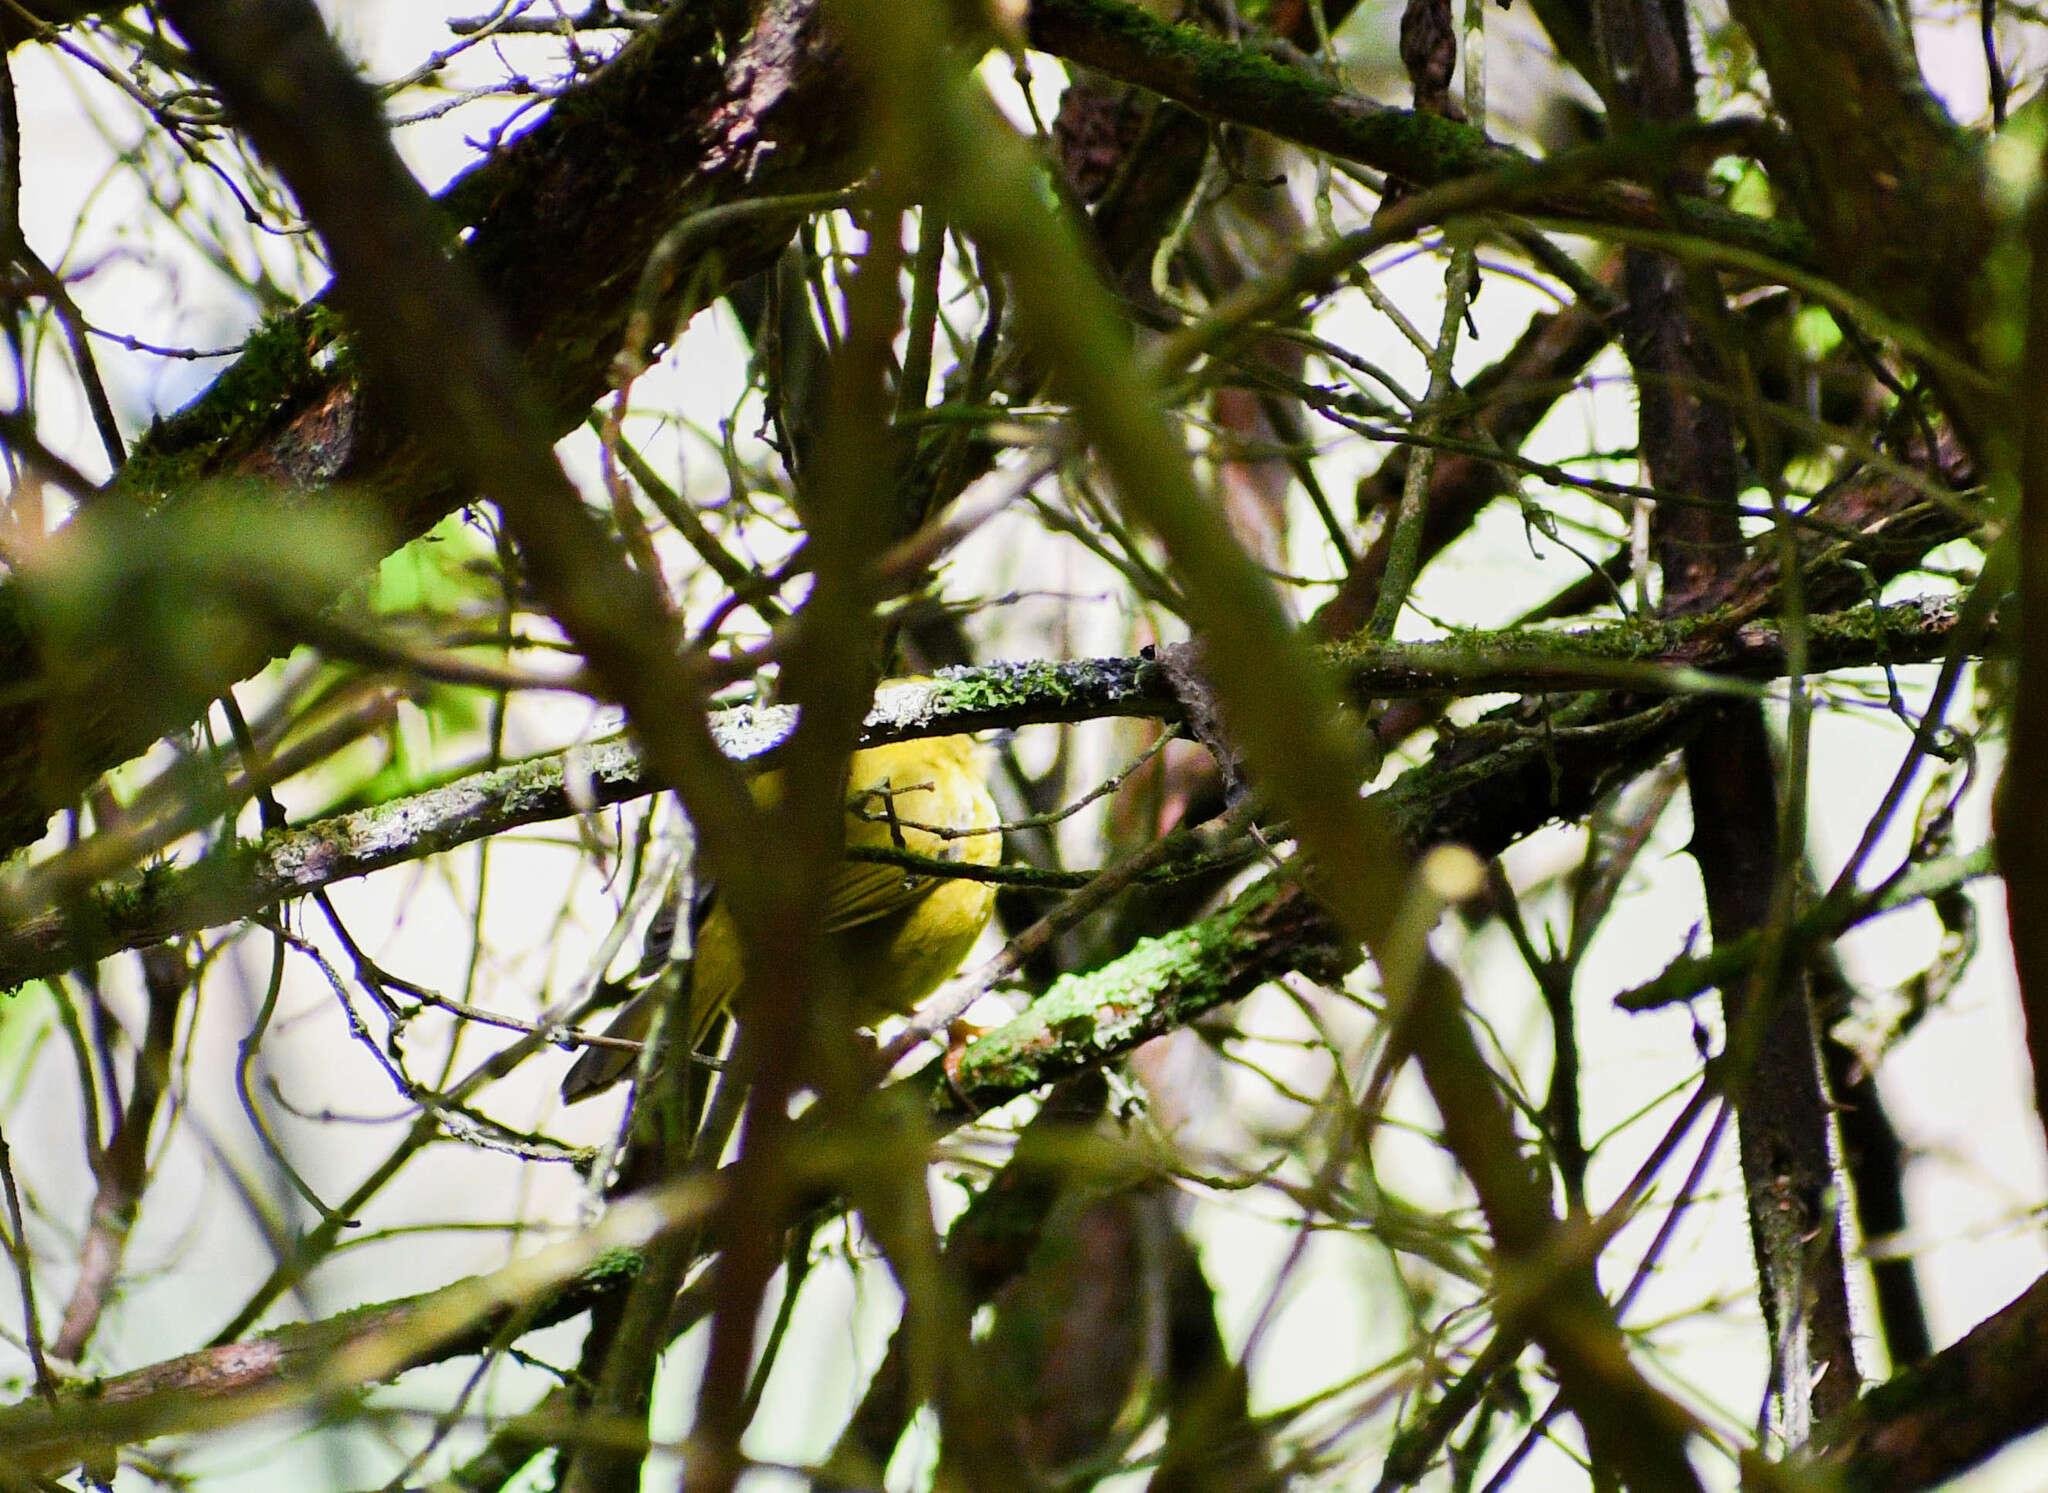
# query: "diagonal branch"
{"type": "Point", "coordinates": [1942, 1417]}
{"type": "Point", "coordinates": [710, 130]}
{"type": "Point", "coordinates": [1240, 85]}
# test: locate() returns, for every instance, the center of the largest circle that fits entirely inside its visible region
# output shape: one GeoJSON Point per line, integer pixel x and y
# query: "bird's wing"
{"type": "Point", "coordinates": [862, 892]}
{"type": "Point", "coordinates": [898, 792]}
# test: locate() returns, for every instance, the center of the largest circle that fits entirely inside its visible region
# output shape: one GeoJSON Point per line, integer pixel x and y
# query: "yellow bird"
{"type": "Point", "coordinates": [898, 934]}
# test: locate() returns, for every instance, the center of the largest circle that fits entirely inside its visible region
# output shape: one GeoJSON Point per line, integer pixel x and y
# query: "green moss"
{"type": "Point", "coordinates": [125, 904]}
{"type": "Point", "coordinates": [281, 361]}
{"type": "Point", "coordinates": [615, 1266]}
{"type": "Point", "coordinates": [1470, 650]}
{"type": "Point", "coordinates": [1185, 62]}
{"type": "Point", "coordinates": [1162, 983]}
{"type": "Point", "coordinates": [1039, 680]}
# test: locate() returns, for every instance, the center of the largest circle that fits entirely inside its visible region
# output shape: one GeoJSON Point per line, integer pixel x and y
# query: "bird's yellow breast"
{"type": "Point", "coordinates": [898, 935]}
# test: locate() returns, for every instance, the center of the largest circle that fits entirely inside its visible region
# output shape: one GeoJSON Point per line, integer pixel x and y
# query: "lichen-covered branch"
{"type": "Point", "coordinates": [305, 1365]}
{"type": "Point", "coordinates": [239, 882]}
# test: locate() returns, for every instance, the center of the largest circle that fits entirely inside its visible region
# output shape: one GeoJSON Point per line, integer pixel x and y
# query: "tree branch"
{"type": "Point", "coordinates": [710, 130]}
{"type": "Point", "coordinates": [1241, 85]}
{"type": "Point", "coordinates": [51, 934]}
{"type": "Point", "coordinates": [1894, 192]}
{"type": "Point", "coordinates": [1929, 1423]}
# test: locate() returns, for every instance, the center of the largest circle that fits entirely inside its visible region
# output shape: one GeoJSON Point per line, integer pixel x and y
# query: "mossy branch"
{"type": "Point", "coordinates": [1244, 86]}
{"type": "Point", "coordinates": [1695, 657]}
